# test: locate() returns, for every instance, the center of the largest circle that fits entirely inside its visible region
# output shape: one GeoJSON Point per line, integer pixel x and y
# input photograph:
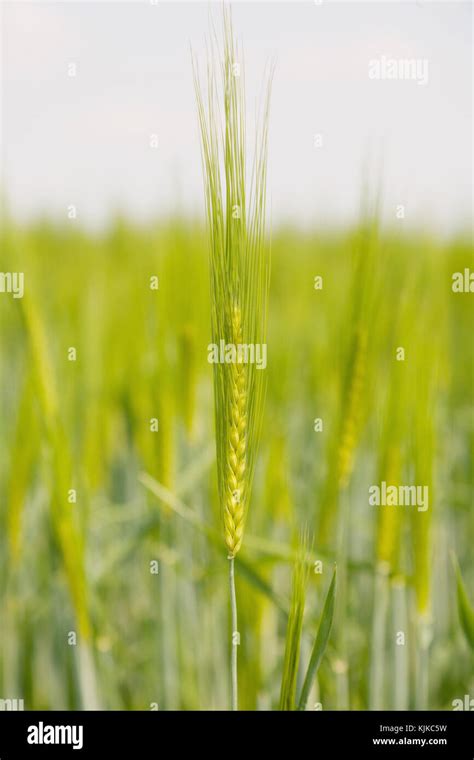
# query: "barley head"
{"type": "Point", "coordinates": [236, 456]}
{"type": "Point", "coordinates": [239, 269]}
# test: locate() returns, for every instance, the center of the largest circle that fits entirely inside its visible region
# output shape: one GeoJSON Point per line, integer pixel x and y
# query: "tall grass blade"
{"type": "Point", "coordinates": [320, 642]}
{"type": "Point", "coordinates": [293, 633]}
{"type": "Point", "coordinates": [465, 608]}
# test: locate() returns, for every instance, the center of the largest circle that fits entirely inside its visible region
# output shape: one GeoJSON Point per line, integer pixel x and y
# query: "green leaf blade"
{"type": "Point", "coordinates": [466, 611]}
{"type": "Point", "coordinates": [320, 643]}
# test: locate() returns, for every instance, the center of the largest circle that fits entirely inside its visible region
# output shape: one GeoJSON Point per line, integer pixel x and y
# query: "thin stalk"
{"type": "Point", "coordinates": [10, 646]}
{"type": "Point", "coordinates": [87, 678]}
{"type": "Point", "coordinates": [423, 645]}
{"type": "Point", "coordinates": [234, 637]}
{"type": "Point", "coordinates": [341, 666]}
{"type": "Point", "coordinates": [168, 623]}
{"type": "Point", "coordinates": [401, 665]}
{"type": "Point", "coordinates": [379, 628]}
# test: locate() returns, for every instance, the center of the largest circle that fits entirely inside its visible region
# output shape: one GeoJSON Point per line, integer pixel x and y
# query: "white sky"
{"type": "Point", "coordinates": [85, 140]}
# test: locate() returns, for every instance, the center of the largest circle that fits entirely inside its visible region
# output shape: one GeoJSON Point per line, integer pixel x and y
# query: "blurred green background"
{"type": "Point", "coordinates": [157, 635]}
{"type": "Point", "coordinates": [113, 568]}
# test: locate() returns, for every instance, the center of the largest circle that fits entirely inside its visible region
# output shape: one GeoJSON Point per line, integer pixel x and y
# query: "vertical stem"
{"type": "Point", "coordinates": [168, 642]}
{"type": "Point", "coordinates": [401, 665]}
{"type": "Point", "coordinates": [87, 679]}
{"type": "Point", "coordinates": [234, 637]}
{"type": "Point", "coordinates": [341, 666]}
{"type": "Point", "coordinates": [9, 679]}
{"type": "Point", "coordinates": [423, 645]}
{"type": "Point", "coordinates": [379, 627]}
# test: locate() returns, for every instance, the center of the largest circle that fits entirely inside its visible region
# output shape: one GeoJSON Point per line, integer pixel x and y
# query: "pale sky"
{"type": "Point", "coordinates": [84, 140]}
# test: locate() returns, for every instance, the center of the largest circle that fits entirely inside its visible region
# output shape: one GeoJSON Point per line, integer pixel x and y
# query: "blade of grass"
{"type": "Point", "coordinates": [293, 633]}
{"type": "Point", "coordinates": [465, 609]}
{"type": "Point", "coordinates": [320, 642]}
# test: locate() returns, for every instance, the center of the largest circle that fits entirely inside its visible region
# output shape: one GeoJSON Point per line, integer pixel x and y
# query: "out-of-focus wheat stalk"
{"type": "Point", "coordinates": [67, 531]}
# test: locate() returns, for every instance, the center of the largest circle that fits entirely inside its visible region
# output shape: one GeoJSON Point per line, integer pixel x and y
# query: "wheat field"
{"type": "Point", "coordinates": [236, 454]}
{"type": "Point", "coordinates": [113, 560]}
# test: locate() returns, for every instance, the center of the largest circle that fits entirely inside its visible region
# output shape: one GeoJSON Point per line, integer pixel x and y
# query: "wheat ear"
{"type": "Point", "coordinates": [240, 270]}
{"type": "Point", "coordinates": [234, 512]}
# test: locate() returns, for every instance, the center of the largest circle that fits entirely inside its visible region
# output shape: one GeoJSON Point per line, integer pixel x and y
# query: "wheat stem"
{"type": "Point", "coordinates": [379, 631]}
{"type": "Point", "coordinates": [234, 636]}
{"type": "Point", "coordinates": [422, 669]}
{"type": "Point", "coordinates": [401, 662]}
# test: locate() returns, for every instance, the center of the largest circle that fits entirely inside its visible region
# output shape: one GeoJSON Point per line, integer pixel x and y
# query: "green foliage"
{"type": "Point", "coordinates": [86, 424]}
